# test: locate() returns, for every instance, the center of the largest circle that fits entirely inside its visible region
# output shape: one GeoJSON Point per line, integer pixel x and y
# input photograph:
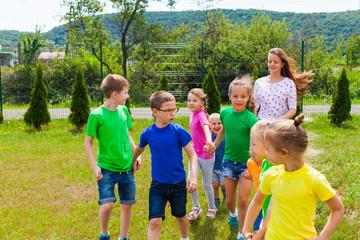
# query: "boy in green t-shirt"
{"type": "Point", "coordinates": [110, 124]}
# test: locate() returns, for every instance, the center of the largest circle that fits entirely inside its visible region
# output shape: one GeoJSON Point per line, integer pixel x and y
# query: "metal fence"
{"type": "Point", "coordinates": [185, 66]}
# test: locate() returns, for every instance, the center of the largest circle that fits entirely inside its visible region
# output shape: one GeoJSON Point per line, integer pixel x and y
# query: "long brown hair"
{"type": "Point", "coordinates": [288, 70]}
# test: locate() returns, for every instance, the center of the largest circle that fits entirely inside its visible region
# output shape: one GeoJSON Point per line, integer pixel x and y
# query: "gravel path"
{"type": "Point", "coordinates": [146, 112]}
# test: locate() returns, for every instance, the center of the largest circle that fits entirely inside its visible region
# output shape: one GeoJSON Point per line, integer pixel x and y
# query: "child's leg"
{"type": "Point", "coordinates": [230, 188]}
{"type": "Point", "coordinates": [104, 216]}
{"type": "Point", "coordinates": [195, 195]}
{"type": "Point", "coordinates": [207, 166]}
{"type": "Point", "coordinates": [243, 199]}
{"type": "Point", "coordinates": [215, 186]}
{"type": "Point", "coordinates": [183, 224]}
{"type": "Point", "coordinates": [154, 229]}
{"type": "Point", "coordinates": [126, 211]}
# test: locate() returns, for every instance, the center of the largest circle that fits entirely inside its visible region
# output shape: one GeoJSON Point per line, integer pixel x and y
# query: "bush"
{"type": "Point", "coordinates": [38, 113]}
{"type": "Point", "coordinates": [164, 84]}
{"type": "Point", "coordinates": [341, 105]}
{"type": "Point", "coordinates": [80, 101]}
{"type": "Point", "coordinates": [213, 95]}
{"type": "Point", "coordinates": [255, 73]}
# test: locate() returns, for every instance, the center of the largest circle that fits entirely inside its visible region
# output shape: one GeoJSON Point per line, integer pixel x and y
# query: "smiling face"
{"type": "Point", "coordinates": [195, 103]}
{"type": "Point", "coordinates": [275, 64]}
{"type": "Point", "coordinates": [122, 96]}
{"type": "Point", "coordinates": [257, 147]}
{"type": "Point", "coordinates": [165, 118]}
{"type": "Point", "coordinates": [215, 125]}
{"type": "Point", "coordinates": [239, 97]}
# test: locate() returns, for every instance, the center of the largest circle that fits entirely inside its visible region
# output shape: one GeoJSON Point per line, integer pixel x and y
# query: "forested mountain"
{"type": "Point", "coordinates": [330, 25]}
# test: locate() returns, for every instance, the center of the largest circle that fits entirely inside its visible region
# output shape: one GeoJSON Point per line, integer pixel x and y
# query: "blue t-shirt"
{"type": "Point", "coordinates": [219, 153]}
{"type": "Point", "coordinates": [166, 151]}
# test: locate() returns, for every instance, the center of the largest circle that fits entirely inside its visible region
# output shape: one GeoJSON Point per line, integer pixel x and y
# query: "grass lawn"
{"type": "Point", "coordinates": [48, 190]}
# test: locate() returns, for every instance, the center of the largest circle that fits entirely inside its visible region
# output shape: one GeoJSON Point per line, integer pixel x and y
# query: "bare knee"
{"type": "Point", "coordinates": [107, 207]}
{"type": "Point", "coordinates": [155, 223]}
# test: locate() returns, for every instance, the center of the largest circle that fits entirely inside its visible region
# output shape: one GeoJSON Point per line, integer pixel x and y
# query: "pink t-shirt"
{"type": "Point", "coordinates": [197, 121]}
{"type": "Point", "coordinates": [274, 99]}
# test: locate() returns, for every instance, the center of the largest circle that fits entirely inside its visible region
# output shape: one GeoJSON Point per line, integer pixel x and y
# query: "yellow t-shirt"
{"type": "Point", "coordinates": [294, 201]}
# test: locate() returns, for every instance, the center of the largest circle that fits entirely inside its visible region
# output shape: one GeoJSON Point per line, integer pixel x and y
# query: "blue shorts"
{"type": "Point", "coordinates": [217, 176]}
{"type": "Point", "coordinates": [233, 170]}
{"type": "Point", "coordinates": [161, 193]}
{"type": "Point", "coordinates": [126, 187]}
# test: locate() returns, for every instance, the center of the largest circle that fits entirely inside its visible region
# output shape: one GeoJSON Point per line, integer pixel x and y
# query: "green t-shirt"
{"type": "Point", "coordinates": [237, 133]}
{"type": "Point", "coordinates": [111, 129]}
{"type": "Point", "coordinates": [265, 166]}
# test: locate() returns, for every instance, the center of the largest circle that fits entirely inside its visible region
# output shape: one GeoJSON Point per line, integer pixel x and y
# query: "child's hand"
{"type": "Point", "coordinates": [191, 185]}
{"type": "Point", "coordinates": [136, 165]}
{"type": "Point", "coordinates": [249, 236]}
{"type": "Point", "coordinates": [97, 173]}
{"type": "Point", "coordinates": [247, 175]}
{"type": "Point", "coordinates": [209, 148]}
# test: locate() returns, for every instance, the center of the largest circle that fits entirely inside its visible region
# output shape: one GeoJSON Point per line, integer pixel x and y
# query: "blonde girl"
{"type": "Point", "coordinates": [294, 185]}
{"type": "Point", "coordinates": [278, 94]}
{"type": "Point", "coordinates": [201, 133]}
{"type": "Point", "coordinates": [237, 122]}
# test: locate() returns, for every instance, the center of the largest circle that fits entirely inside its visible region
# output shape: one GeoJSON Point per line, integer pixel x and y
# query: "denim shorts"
{"type": "Point", "coordinates": [217, 176]}
{"type": "Point", "coordinates": [126, 187]}
{"type": "Point", "coordinates": [161, 193]}
{"type": "Point", "coordinates": [233, 170]}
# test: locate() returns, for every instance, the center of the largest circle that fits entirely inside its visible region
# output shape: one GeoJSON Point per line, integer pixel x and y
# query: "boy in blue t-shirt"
{"type": "Point", "coordinates": [110, 124]}
{"type": "Point", "coordinates": [217, 178]}
{"type": "Point", "coordinates": [166, 140]}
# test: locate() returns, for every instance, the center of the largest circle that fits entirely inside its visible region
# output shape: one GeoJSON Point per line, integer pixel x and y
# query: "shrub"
{"type": "Point", "coordinates": [341, 104]}
{"type": "Point", "coordinates": [80, 101]}
{"type": "Point", "coordinates": [213, 95]}
{"type": "Point", "coordinates": [255, 73]}
{"type": "Point", "coordinates": [38, 113]}
{"type": "Point", "coordinates": [164, 84]}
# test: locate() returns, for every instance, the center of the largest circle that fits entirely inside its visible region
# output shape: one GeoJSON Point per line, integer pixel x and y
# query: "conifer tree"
{"type": "Point", "coordinates": [164, 84]}
{"type": "Point", "coordinates": [255, 73]}
{"type": "Point", "coordinates": [213, 95]}
{"type": "Point", "coordinates": [80, 102]}
{"type": "Point", "coordinates": [341, 103]}
{"type": "Point", "coordinates": [38, 113]}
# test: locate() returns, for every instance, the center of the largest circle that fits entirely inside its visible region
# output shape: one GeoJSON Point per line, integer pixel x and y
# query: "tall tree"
{"type": "Point", "coordinates": [30, 45]}
{"type": "Point", "coordinates": [85, 27]}
{"type": "Point", "coordinates": [38, 113]}
{"type": "Point", "coordinates": [213, 95]}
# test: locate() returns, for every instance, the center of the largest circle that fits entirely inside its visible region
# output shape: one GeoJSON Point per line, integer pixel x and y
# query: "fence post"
{"type": "Point", "coordinates": [202, 62]}
{"type": "Point", "coordinates": [101, 72]}
{"type": "Point", "coordinates": [302, 68]}
{"type": "Point", "coordinates": [1, 102]}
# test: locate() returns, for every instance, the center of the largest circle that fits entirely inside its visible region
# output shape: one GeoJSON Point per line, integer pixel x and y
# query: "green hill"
{"type": "Point", "coordinates": [330, 25]}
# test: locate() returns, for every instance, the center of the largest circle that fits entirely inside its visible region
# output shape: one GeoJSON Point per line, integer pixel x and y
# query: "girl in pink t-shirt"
{"type": "Point", "coordinates": [278, 94]}
{"type": "Point", "coordinates": [201, 134]}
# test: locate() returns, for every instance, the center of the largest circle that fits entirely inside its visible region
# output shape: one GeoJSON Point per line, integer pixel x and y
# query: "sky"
{"type": "Point", "coordinates": [24, 15]}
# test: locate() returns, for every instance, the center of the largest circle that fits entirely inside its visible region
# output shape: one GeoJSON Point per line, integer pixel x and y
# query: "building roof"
{"type": "Point", "coordinates": [51, 55]}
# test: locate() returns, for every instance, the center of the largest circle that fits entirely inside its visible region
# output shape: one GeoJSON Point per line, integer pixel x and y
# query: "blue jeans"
{"type": "Point", "coordinates": [233, 170]}
{"type": "Point", "coordinates": [126, 187]}
{"type": "Point", "coordinates": [161, 193]}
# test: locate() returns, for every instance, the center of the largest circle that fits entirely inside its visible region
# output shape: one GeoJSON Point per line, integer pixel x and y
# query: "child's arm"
{"type": "Point", "coordinates": [191, 184]}
{"type": "Point", "coordinates": [91, 156]}
{"type": "Point", "coordinates": [136, 156]}
{"type": "Point", "coordinates": [252, 212]}
{"type": "Point", "coordinates": [337, 211]}
{"type": "Point", "coordinates": [136, 165]}
{"type": "Point", "coordinates": [261, 233]}
{"type": "Point", "coordinates": [289, 114]}
{"type": "Point", "coordinates": [219, 138]}
{"type": "Point", "coordinates": [209, 143]}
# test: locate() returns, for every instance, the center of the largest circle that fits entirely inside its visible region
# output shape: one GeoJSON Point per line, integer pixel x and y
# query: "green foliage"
{"type": "Point", "coordinates": [341, 105]}
{"type": "Point", "coordinates": [1, 117]}
{"type": "Point", "coordinates": [255, 73]}
{"type": "Point", "coordinates": [164, 84]}
{"type": "Point", "coordinates": [80, 101]}
{"type": "Point", "coordinates": [353, 50]}
{"type": "Point", "coordinates": [213, 95]}
{"type": "Point", "coordinates": [38, 113]}
{"type": "Point", "coordinates": [31, 43]}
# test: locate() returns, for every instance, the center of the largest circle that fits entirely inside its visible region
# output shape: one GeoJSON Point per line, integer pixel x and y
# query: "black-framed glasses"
{"type": "Point", "coordinates": [169, 111]}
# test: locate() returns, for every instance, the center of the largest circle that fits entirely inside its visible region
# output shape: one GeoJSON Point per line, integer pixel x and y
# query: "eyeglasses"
{"type": "Point", "coordinates": [169, 111]}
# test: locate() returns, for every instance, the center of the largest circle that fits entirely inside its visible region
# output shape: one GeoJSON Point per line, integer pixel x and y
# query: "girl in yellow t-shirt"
{"type": "Point", "coordinates": [294, 185]}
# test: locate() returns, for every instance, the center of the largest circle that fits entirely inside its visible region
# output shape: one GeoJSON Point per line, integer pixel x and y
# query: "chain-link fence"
{"type": "Point", "coordinates": [184, 65]}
